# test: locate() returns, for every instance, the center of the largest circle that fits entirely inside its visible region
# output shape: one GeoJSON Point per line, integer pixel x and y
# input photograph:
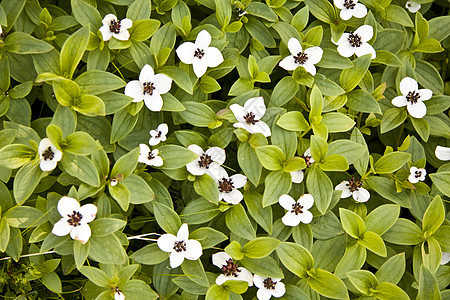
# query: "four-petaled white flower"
{"type": "Point", "coordinates": [413, 6]}
{"type": "Point", "coordinates": [114, 28]}
{"type": "Point", "coordinates": [149, 88]}
{"type": "Point", "coordinates": [356, 42]}
{"type": "Point", "coordinates": [230, 270]}
{"type": "Point", "coordinates": [412, 97]}
{"type": "Point", "coordinates": [199, 54]}
{"type": "Point", "coordinates": [74, 219]}
{"type": "Point", "coordinates": [442, 153]}
{"type": "Point", "coordinates": [149, 157]}
{"type": "Point", "coordinates": [297, 176]}
{"type": "Point", "coordinates": [180, 247]}
{"type": "Point", "coordinates": [306, 58]}
{"type": "Point", "coordinates": [118, 295]}
{"type": "Point", "coordinates": [208, 161]}
{"type": "Point", "coordinates": [297, 211]}
{"type": "Point", "coordinates": [353, 187]}
{"type": "Point", "coordinates": [416, 175]}
{"type": "Point", "coordinates": [158, 135]}
{"type": "Point", "coordinates": [228, 187]}
{"type": "Point", "coordinates": [249, 116]}
{"type": "Point", "coordinates": [48, 154]}
{"type": "Point", "coordinates": [268, 287]}
{"type": "Point", "coordinates": [350, 8]}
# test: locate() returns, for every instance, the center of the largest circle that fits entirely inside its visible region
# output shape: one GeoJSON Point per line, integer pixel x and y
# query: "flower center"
{"type": "Point", "coordinates": [48, 154]}
{"type": "Point", "coordinates": [225, 185]}
{"type": "Point", "coordinates": [114, 26]}
{"type": "Point", "coordinates": [348, 4]}
{"type": "Point", "coordinates": [205, 161]}
{"type": "Point", "coordinates": [158, 135]}
{"type": "Point", "coordinates": [413, 97]}
{"type": "Point", "coordinates": [240, 12]}
{"type": "Point", "coordinates": [75, 219]}
{"type": "Point", "coordinates": [250, 118]}
{"type": "Point", "coordinates": [179, 246]}
{"type": "Point", "coordinates": [150, 156]}
{"type": "Point", "coordinates": [354, 184]}
{"type": "Point", "coordinates": [199, 53]}
{"type": "Point", "coordinates": [417, 174]}
{"type": "Point", "coordinates": [307, 159]}
{"type": "Point", "coordinates": [117, 291]}
{"type": "Point", "coordinates": [149, 87]}
{"type": "Point", "coordinates": [230, 269]}
{"type": "Point", "coordinates": [296, 209]}
{"type": "Point", "coordinates": [269, 284]}
{"type": "Point", "coordinates": [354, 40]}
{"type": "Point", "coordinates": [301, 58]}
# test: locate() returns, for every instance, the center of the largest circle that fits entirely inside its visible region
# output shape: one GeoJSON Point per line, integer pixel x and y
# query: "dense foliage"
{"type": "Point", "coordinates": [217, 149]}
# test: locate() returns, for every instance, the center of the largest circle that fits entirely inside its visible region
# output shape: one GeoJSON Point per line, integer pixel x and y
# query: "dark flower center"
{"type": "Point", "coordinates": [149, 87]}
{"type": "Point", "coordinates": [250, 118]}
{"type": "Point", "coordinates": [150, 155]}
{"type": "Point", "coordinates": [240, 12]}
{"type": "Point", "coordinates": [179, 246]}
{"type": "Point", "coordinates": [75, 219]}
{"type": "Point", "coordinates": [158, 135]}
{"type": "Point", "coordinates": [117, 290]}
{"type": "Point", "coordinates": [354, 184]}
{"type": "Point", "coordinates": [269, 284]}
{"type": "Point", "coordinates": [114, 26]}
{"type": "Point", "coordinates": [297, 208]}
{"type": "Point", "coordinates": [199, 53]}
{"type": "Point", "coordinates": [307, 159]}
{"type": "Point", "coordinates": [348, 4]}
{"type": "Point", "coordinates": [205, 161]}
{"type": "Point", "coordinates": [417, 174]}
{"type": "Point", "coordinates": [230, 269]}
{"type": "Point", "coordinates": [354, 40]}
{"type": "Point", "coordinates": [226, 185]}
{"type": "Point", "coordinates": [48, 154]}
{"type": "Point", "coordinates": [301, 58]}
{"type": "Point", "coordinates": [413, 97]}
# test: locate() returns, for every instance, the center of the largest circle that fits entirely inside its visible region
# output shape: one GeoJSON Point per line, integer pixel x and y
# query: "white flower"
{"type": "Point", "coordinates": [228, 187]}
{"type": "Point", "coordinates": [48, 154]}
{"type": "Point", "coordinates": [356, 42]}
{"type": "Point", "coordinates": [249, 116]}
{"type": "Point", "coordinates": [416, 175]}
{"type": "Point", "coordinates": [350, 8]}
{"type": "Point", "coordinates": [208, 161]}
{"type": "Point", "coordinates": [230, 270]}
{"type": "Point", "coordinates": [118, 295]}
{"type": "Point", "coordinates": [413, 6]}
{"type": "Point", "coordinates": [297, 176]}
{"type": "Point", "coordinates": [180, 247]}
{"type": "Point", "coordinates": [268, 287]}
{"type": "Point", "coordinates": [445, 258]}
{"type": "Point", "coordinates": [297, 210]}
{"type": "Point", "coordinates": [158, 135]}
{"type": "Point", "coordinates": [199, 54]}
{"type": "Point", "coordinates": [353, 187]}
{"type": "Point", "coordinates": [442, 153]}
{"type": "Point", "coordinates": [412, 97]}
{"type": "Point", "coordinates": [307, 157]}
{"type": "Point", "coordinates": [306, 58]}
{"type": "Point", "coordinates": [149, 88]}
{"type": "Point", "coordinates": [149, 157]}
{"type": "Point", "coordinates": [74, 219]}
{"type": "Point", "coordinates": [114, 28]}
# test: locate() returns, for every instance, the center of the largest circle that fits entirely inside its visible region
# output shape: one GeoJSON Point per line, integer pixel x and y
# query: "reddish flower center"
{"type": "Point", "coordinates": [179, 246]}
{"type": "Point", "coordinates": [149, 87]}
{"type": "Point", "coordinates": [114, 26]}
{"type": "Point", "coordinates": [348, 4]}
{"type": "Point", "coordinates": [301, 58]}
{"type": "Point", "coordinates": [230, 269]}
{"type": "Point", "coordinates": [250, 118]}
{"type": "Point", "coordinates": [75, 219]}
{"type": "Point", "coordinates": [199, 53]}
{"type": "Point", "coordinates": [205, 161]}
{"type": "Point", "coordinates": [297, 208]}
{"type": "Point", "coordinates": [354, 40]}
{"type": "Point", "coordinates": [225, 185]}
{"type": "Point", "coordinates": [354, 184]}
{"type": "Point", "coordinates": [48, 154]}
{"type": "Point", "coordinates": [269, 284]}
{"type": "Point", "coordinates": [413, 97]}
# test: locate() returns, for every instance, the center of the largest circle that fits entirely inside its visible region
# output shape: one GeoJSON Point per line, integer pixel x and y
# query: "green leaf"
{"type": "Point", "coordinates": [397, 14]}
{"type": "Point", "coordinates": [433, 217]}
{"type": "Point", "coordinates": [382, 218]}
{"type": "Point", "coordinates": [374, 243]}
{"type": "Point", "coordinates": [208, 237]}
{"type": "Point", "coordinates": [23, 43]}
{"type": "Point", "coordinates": [351, 77]}
{"type": "Point", "coordinates": [362, 101]}
{"type": "Point", "coordinates": [105, 226]}
{"type": "Point", "coordinates": [260, 247]}
{"type": "Point", "coordinates": [266, 266]}
{"type": "Point", "coordinates": [197, 114]}
{"type": "Point", "coordinates": [236, 286]}
{"type": "Point", "coordinates": [387, 58]}
{"type": "Point", "coordinates": [392, 270]}
{"type": "Point", "coordinates": [442, 182]}
{"type": "Point", "coordinates": [429, 77]}
{"type": "Point", "coordinates": [23, 217]}
{"type": "Point", "coordinates": [86, 14]}
{"type": "Point", "coordinates": [16, 155]}
{"type": "Point", "coordinates": [97, 276]}
{"type": "Point", "coordinates": [140, 191]}
{"type": "Point", "coordinates": [73, 49]}
{"type": "Point", "coordinates": [175, 156]}
{"type": "Point", "coordinates": [121, 194]}
{"type": "Point", "coordinates": [363, 280]}
{"type": "Point", "coordinates": [178, 75]}
{"type": "Point", "coordinates": [320, 187]}
{"type": "Point", "coordinates": [431, 254]}
{"type": "Point", "coordinates": [353, 259]}
{"type": "Point", "coordinates": [66, 91]}
{"type": "Point", "coordinates": [95, 82]}
{"type": "Point", "coordinates": [428, 285]}
{"type": "Point", "coordinates": [136, 289]}
{"type": "Point", "coordinates": [262, 216]}
{"type": "Point", "coordinates": [295, 258]}
{"type": "Point", "coordinates": [139, 9]}
{"type": "Point", "coordinates": [422, 127]}
{"type": "Point", "coordinates": [386, 188]}
{"type": "Point", "coordinates": [271, 157]}
{"type": "Point", "coordinates": [333, 60]}
{"type": "Point", "coordinates": [391, 162]}
{"type": "Point", "coordinates": [80, 252]}
{"type": "Point", "coordinates": [238, 222]}
{"type": "Point", "coordinates": [206, 187]}
{"type": "Point", "coordinates": [272, 192]}
{"type": "Point", "coordinates": [284, 91]}
{"type": "Point", "coordinates": [352, 223]}
{"type": "Point", "coordinates": [328, 285]}
{"type": "Point", "coordinates": [90, 105]}
{"type": "Point", "coordinates": [167, 218]}
{"type": "Point", "coordinates": [322, 10]}
{"type": "Point", "coordinates": [293, 121]}
{"type": "Point", "coordinates": [217, 292]}
{"type": "Point", "coordinates": [150, 255]}
{"type": "Point", "coordinates": [80, 143]}
{"type": "Point", "coordinates": [389, 291]}
{"type": "Point", "coordinates": [26, 180]}
{"type": "Point", "coordinates": [404, 232]}
{"type": "Point", "coordinates": [337, 122]}
{"type": "Point", "coordinates": [81, 167]}
{"type": "Point", "coordinates": [261, 10]}
{"type": "Point", "coordinates": [223, 12]}
{"type": "Point", "coordinates": [12, 10]}
{"type": "Point", "coordinates": [194, 270]}
{"type": "Point", "coordinates": [316, 102]}
{"type": "Point", "coordinates": [392, 118]}
{"type": "Point", "coordinates": [249, 163]}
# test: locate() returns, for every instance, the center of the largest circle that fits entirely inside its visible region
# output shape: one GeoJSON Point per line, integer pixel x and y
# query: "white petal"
{"type": "Point", "coordinates": [343, 39]}
{"type": "Point", "coordinates": [364, 49]}
{"type": "Point", "coordinates": [67, 205]}
{"type": "Point", "coordinates": [256, 106]}
{"type": "Point", "coordinates": [291, 219]}
{"type": "Point", "coordinates": [250, 128]}
{"type": "Point", "coordinates": [214, 170]}
{"type": "Point", "coordinates": [125, 24]}
{"type": "Point", "coordinates": [176, 259]}
{"type": "Point", "coordinates": [135, 89]}
{"type": "Point", "coordinates": [106, 32]}
{"type": "Point", "coordinates": [81, 233]}
{"type": "Point", "coordinates": [297, 176]}
{"type": "Point", "coordinates": [193, 250]}
{"type": "Point", "coordinates": [365, 32]}
{"type": "Point", "coordinates": [258, 281]}
{"type": "Point", "coordinates": [346, 14]}
{"type": "Point", "coordinates": [213, 57]}
{"type": "Point", "coordinates": [166, 242]}
{"type": "Point", "coordinates": [157, 161]}
{"type": "Point", "coordinates": [144, 151]}
{"type": "Point", "coordinates": [183, 233]}
{"type": "Point", "coordinates": [442, 153]}
{"type": "Point", "coordinates": [196, 149]}
{"type": "Point", "coordinates": [417, 110]}
{"type": "Point", "coordinates": [288, 63]}
{"type": "Point", "coordinates": [195, 169]}
{"type": "Point", "coordinates": [359, 11]}
{"type": "Point", "coordinates": [88, 211]}
{"type": "Point", "coordinates": [153, 102]}
{"type": "Point", "coordinates": [280, 290]}
{"type": "Point", "coordinates": [245, 275]}
{"type": "Point", "coordinates": [61, 228]}
{"type": "Point", "coordinates": [261, 127]}
{"type": "Point", "coordinates": [294, 46]}
{"type": "Point", "coordinates": [408, 85]}
{"type": "Point", "coordinates": [306, 201]}
{"type": "Point", "coordinates": [220, 259]}
{"type": "Point", "coordinates": [399, 101]}
{"type": "Point", "coordinates": [147, 74]}
{"type": "Point", "coordinates": [413, 179]}
{"type": "Point", "coordinates": [108, 18]}
{"type": "Point", "coordinates": [425, 94]}
{"type": "Point", "coordinates": [203, 39]}
{"type": "Point", "coordinates": [217, 154]}
{"type": "Point", "coordinates": [286, 201]}
{"type": "Point", "coordinates": [413, 6]}
{"type": "Point", "coordinates": [307, 152]}
{"type": "Point", "coordinates": [154, 141]}
{"type": "Point", "coordinates": [57, 154]}
{"type": "Point", "coordinates": [361, 195]}
{"type": "Point", "coordinates": [339, 3]}
{"type": "Point", "coordinates": [200, 66]}
{"type": "Point", "coordinates": [163, 128]}
{"type": "Point", "coordinates": [412, 170]}
{"type": "Point", "coordinates": [445, 258]}
{"type": "Point", "coordinates": [238, 112]}
{"type": "Point", "coordinates": [239, 180]}
{"type": "Point", "coordinates": [310, 68]}
{"type": "Point", "coordinates": [345, 49]}
{"type": "Point", "coordinates": [119, 296]}
{"type": "Point", "coordinates": [185, 52]}
{"type": "Point", "coordinates": [263, 294]}
{"type": "Point", "coordinates": [305, 217]}
{"type": "Point", "coordinates": [221, 279]}
{"type": "Point", "coordinates": [47, 165]}
{"type": "Point", "coordinates": [233, 197]}
{"type": "Point", "coordinates": [163, 83]}
{"type": "Point", "coordinates": [122, 35]}
{"type": "Point", "coordinates": [44, 144]}
{"type": "Point", "coordinates": [314, 54]}
{"type": "Point", "coordinates": [344, 187]}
